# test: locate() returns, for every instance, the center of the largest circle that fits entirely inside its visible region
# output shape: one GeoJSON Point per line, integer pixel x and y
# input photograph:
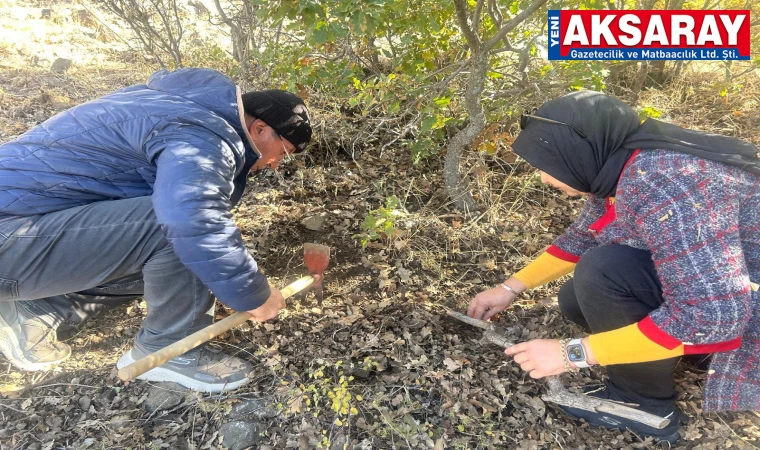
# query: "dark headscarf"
{"type": "Point", "coordinates": [594, 163]}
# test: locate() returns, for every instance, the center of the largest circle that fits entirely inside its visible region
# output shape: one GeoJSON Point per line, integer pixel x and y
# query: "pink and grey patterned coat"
{"type": "Point", "coordinates": [700, 220]}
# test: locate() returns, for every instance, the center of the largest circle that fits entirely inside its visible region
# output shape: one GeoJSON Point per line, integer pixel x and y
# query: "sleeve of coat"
{"type": "Point", "coordinates": [577, 239]}
{"type": "Point", "coordinates": [191, 199]}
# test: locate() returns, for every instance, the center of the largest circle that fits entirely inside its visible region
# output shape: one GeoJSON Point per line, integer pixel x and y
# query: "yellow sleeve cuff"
{"type": "Point", "coordinates": [543, 269]}
{"type": "Point", "coordinates": [628, 345]}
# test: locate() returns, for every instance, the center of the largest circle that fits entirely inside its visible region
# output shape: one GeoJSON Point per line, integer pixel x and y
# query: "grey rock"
{"type": "Point", "coordinates": [339, 442]}
{"type": "Point", "coordinates": [106, 397]}
{"type": "Point", "coordinates": [239, 435]}
{"type": "Point", "coordinates": [255, 407]}
{"type": "Point", "coordinates": [164, 396]}
{"type": "Point", "coordinates": [84, 403]}
{"type": "Point", "coordinates": [54, 422]}
{"type": "Point", "coordinates": [366, 444]}
{"type": "Point", "coordinates": [315, 223]}
{"type": "Point", "coordinates": [360, 373]}
{"type": "Point", "coordinates": [166, 419]}
{"type": "Point", "coordinates": [60, 65]}
{"type": "Point", "coordinates": [46, 13]}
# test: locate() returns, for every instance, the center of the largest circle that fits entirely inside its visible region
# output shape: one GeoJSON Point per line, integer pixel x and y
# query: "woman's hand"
{"type": "Point", "coordinates": [489, 303]}
{"type": "Point", "coordinates": [495, 300]}
{"type": "Point", "coordinates": [539, 357]}
{"type": "Point", "coordinates": [543, 357]}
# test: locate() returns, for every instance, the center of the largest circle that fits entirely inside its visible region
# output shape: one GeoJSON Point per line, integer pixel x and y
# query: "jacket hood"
{"type": "Point", "coordinates": [208, 88]}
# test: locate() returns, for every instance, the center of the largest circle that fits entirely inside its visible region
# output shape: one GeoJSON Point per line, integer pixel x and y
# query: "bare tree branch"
{"type": "Point", "coordinates": [512, 23]}
{"type": "Point", "coordinates": [473, 41]}
{"type": "Point", "coordinates": [476, 15]}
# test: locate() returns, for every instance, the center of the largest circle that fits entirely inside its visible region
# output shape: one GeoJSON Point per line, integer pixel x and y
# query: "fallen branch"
{"type": "Point", "coordinates": [557, 393]}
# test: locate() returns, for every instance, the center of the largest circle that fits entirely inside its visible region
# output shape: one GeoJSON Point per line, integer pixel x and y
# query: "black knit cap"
{"type": "Point", "coordinates": [284, 112]}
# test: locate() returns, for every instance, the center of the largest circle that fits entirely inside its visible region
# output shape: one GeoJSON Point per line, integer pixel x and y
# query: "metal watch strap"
{"type": "Point", "coordinates": [579, 364]}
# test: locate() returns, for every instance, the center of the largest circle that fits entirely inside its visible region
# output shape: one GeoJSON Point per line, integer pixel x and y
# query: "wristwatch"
{"type": "Point", "coordinates": [576, 354]}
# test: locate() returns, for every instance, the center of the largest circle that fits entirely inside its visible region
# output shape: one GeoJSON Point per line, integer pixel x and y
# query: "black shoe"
{"type": "Point", "coordinates": [669, 433]}
{"type": "Point", "coordinates": [699, 362]}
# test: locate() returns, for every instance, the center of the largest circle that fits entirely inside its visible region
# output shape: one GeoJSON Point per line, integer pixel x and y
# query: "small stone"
{"type": "Point", "coordinates": [257, 408]}
{"type": "Point", "coordinates": [34, 446]}
{"type": "Point", "coordinates": [107, 396]}
{"type": "Point", "coordinates": [54, 422]}
{"type": "Point", "coordinates": [46, 13]}
{"type": "Point", "coordinates": [339, 442]}
{"type": "Point", "coordinates": [84, 403]}
{"type": "Point", "coordinates": [166, 419]}
{"type": "Point", "coordinates": [360, 373]}
{"type": "Point", "coordinates": [315, 223]}
{"type": "Point", "coordinates": [164, 396]}
{"type": "Point", "coordinates": [60, 65]}
{"type": "Point", "coordinates": [21, 425]}
{"type": "Point", "coordinates": [366, 444]}
{"type": "Point", "coordinates": [5, 433]}
{"type": "Point", "coordinates": [239, 434]}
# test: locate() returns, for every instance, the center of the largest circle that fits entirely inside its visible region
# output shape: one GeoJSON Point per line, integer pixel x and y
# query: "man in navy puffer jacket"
{"type": "Point", "coordinates": [129, 195]}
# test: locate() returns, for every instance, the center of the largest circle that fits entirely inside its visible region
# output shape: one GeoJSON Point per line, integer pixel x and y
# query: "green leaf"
{"type": "Point", "coordinates": [442, 102]}
{"type": "Point", "coordinates": [427, 123]}
{"type": "Point", "coordinates": [320, 35]}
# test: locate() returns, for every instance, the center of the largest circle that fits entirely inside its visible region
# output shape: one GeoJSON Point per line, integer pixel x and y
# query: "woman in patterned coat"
{"type": "Point", "coordinates": [665, 255]}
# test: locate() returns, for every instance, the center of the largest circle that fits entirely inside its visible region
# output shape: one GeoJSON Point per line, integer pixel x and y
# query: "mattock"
{"type": "Point", "coordinates": [316, 258]}
{"type": "Point", "coordinates": [557, 393]}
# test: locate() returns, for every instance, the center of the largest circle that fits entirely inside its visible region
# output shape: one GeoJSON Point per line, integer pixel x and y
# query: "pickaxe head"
{"type": "Point", "coordinates": [316, 257]}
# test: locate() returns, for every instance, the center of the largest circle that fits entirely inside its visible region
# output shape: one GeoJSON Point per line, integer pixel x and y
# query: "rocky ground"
{"type": "Point", "coordinates": [378, 365]}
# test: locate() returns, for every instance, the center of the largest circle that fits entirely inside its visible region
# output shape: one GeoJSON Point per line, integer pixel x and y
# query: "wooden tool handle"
{"type": "Point", "coordinates": [142, 365]}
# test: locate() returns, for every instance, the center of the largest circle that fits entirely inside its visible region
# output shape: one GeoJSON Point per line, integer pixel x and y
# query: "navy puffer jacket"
{"type": "Point", "coordinates": [179, 139]}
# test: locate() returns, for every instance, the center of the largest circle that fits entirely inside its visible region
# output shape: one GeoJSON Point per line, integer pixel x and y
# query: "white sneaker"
{"type": "Point", "coordinates": [28, 342]}
{"type": "Point", "coordinates": [202, 369]}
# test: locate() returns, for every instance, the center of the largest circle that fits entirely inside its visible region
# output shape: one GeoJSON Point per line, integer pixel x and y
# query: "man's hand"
{"type": "Point", "coordinates": [489, 303]}
{"type": "Point", "coordinates": [270, 308]}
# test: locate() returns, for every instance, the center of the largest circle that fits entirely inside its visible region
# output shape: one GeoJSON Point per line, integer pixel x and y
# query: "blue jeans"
{"type": "Point", "coordinates": [70, 264]}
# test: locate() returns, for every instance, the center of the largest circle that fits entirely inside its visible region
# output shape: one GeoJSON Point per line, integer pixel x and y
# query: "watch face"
{"type": "Point", "coordinates": [575, 353]}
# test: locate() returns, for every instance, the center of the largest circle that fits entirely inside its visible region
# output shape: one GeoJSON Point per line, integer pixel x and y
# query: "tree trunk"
{"type": "Point", "coordinates": [638, 83]}
{"type": "Point", "coordinates": [456, 187]}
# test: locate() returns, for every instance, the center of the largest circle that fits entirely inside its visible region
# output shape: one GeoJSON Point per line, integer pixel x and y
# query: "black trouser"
{"type": "Point", "coordinates": [614, 286]}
